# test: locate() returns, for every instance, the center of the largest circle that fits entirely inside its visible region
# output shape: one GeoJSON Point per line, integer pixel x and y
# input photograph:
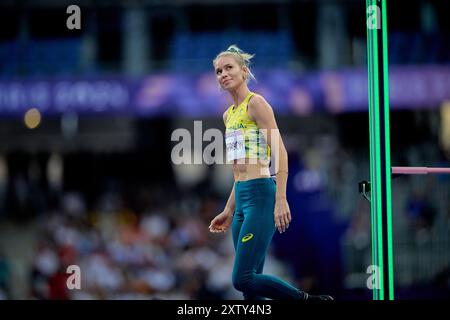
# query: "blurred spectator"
{"type": "Point", "coordinates": [45, 265]}
{"type": "Point", "coordinates": [57, 285]}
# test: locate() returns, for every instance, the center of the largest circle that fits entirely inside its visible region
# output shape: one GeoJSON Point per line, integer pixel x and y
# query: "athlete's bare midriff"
{"type": "Point", "coordinates": [246, 171]}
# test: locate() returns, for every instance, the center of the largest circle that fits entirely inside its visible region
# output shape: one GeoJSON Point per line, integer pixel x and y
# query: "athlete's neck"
{"type": "Point", "coordinates": [239, 94]}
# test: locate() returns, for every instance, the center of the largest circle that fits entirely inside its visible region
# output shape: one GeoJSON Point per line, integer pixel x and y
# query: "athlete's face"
{"type": "Point", "coordinates": [228, 72]}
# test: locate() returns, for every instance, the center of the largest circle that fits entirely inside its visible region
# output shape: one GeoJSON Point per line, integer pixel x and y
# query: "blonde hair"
{"type": "Point", "coordinates": [241, 57]}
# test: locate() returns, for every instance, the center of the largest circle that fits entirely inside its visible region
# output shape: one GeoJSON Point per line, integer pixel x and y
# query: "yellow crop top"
{"type": "Point", "coordinates": [243, 137]}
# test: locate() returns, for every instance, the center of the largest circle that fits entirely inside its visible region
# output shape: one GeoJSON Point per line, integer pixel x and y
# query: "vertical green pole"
{"type": "Point", "coordinates": [380, 158]}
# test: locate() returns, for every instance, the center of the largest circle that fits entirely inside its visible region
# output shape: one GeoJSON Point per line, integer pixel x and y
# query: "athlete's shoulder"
{"type": "Point", "coordinates": [256, 99]}
{"type": "Point", "coordinates": [257, 103]}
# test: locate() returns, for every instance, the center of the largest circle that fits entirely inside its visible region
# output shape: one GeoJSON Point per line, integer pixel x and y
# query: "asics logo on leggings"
{"type": "Point", "coordinates": [247, 237]}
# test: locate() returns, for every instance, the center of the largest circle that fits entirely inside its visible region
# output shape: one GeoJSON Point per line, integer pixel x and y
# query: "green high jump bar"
{"type": "Point", "coordinates": [380, 157]}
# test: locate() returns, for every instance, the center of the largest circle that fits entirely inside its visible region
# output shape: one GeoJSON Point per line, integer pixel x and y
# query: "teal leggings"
{"type": "Point", "coordinates": [253, 228]}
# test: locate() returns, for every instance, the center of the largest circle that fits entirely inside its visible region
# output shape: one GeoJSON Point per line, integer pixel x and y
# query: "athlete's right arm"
{"type": "Point", "coordinates": [231, 204]}
{"type": "Point", "coordinates": [223, 220]}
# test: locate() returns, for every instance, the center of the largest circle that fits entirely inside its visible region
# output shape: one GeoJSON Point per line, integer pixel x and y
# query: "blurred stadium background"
{"type": "Point", "coordinates": [86, 118]}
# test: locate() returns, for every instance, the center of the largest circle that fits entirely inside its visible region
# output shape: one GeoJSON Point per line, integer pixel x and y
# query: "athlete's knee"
{"type": "Point", "coordinates": [242, 282]}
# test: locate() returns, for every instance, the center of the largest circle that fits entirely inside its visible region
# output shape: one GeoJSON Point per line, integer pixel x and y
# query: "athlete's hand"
{"type": "Point", "coordinates": [221, 222]}
{"type": "Point", "coordinates": [282, 215]}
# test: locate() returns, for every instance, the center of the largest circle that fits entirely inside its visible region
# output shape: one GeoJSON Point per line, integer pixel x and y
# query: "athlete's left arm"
{"type": "Point", "coordinates": [262, 113]}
